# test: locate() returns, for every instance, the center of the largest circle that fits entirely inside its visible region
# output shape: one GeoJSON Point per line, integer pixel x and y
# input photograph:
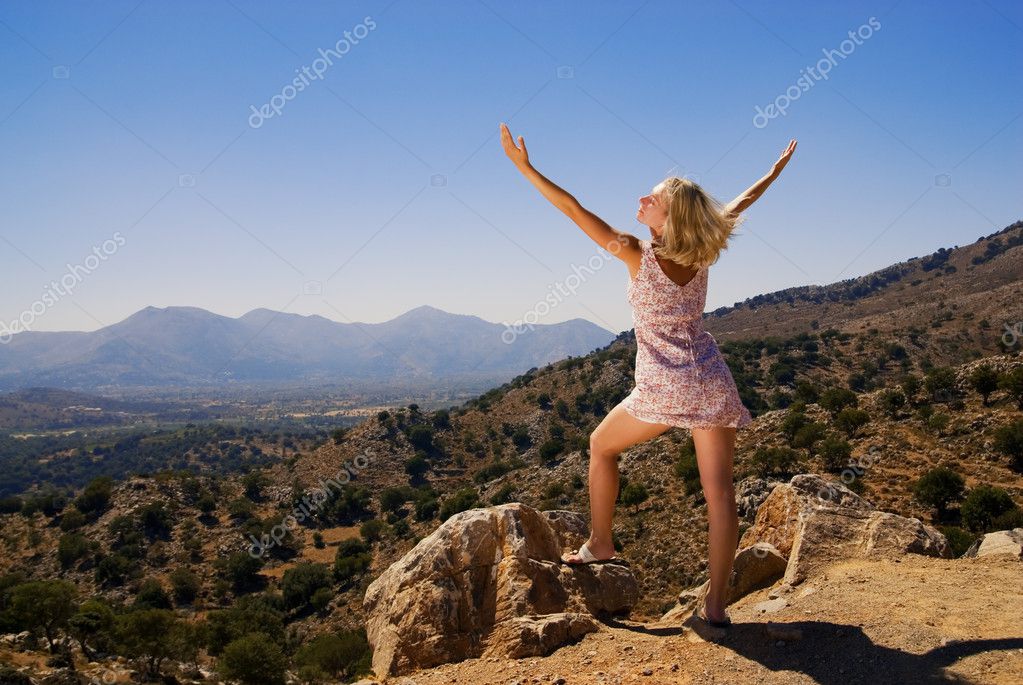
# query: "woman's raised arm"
{"type": "Point", "coordinates": [596, 228]}
{"type": "Point", "coordinates": [751, 194]}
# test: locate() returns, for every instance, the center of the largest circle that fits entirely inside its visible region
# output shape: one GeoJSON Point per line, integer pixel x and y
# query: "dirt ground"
{"type": "Point", "coordinates": [916, 620]}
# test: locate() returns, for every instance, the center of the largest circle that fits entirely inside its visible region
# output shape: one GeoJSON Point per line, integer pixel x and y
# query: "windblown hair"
{"type": "Point", "coordinates": [697, 228]}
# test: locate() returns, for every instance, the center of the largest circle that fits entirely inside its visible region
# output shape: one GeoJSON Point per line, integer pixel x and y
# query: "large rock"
{"type": "Point", "coordinates": [999, 542]}
{"type": "Point", "coordinates": [814, 522]}
{"type": "Point", "coordinates": [490, 582]}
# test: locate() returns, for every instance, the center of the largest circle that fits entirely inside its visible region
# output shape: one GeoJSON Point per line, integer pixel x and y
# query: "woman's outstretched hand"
{"type": "Point", "coordinates": [516, 154]}
{"type": "Point", "coordinates": [785, 157]}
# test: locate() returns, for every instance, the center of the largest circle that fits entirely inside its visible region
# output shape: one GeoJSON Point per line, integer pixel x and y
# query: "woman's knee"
{"type": "Point", "coordinates": [601, 449]}
{"type": "Point", "coordinates": [719, 494]}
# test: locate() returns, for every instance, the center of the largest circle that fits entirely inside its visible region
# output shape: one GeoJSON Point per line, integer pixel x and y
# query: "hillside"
{"type": "Point", "coordinates": [873, 409]}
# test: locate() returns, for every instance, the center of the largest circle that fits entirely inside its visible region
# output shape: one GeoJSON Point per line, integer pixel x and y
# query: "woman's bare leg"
{"type": "Point", "coordinates": [715, 453]}
{"type": "Point", "coordinates": [617, 432]}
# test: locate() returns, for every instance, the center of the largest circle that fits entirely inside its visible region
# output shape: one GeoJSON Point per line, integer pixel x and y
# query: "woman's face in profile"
{"type": "Point", "coordinates": [653, 211]}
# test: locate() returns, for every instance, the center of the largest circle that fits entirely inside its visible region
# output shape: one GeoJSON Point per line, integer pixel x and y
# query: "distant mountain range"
{"type": "Point", "coordinates": [191, 347]}
{"type": "Point", "coordinates": [968, 296]}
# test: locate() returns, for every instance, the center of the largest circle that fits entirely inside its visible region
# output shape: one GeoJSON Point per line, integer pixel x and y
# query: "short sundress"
{"type": "Point", "coordinates": [681, 377]}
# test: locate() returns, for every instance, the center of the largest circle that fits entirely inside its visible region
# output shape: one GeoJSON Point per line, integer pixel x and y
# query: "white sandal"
{"type": "Point", "coordinates": [587, 557]}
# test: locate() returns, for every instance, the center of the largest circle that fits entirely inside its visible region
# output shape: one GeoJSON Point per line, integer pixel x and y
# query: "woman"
{"type": "Point", "coordinates": [681, 379]}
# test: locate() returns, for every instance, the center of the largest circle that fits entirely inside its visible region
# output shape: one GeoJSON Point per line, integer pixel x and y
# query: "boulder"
{"type": "Point", "coordinates": [999, 542]}
{"type": "Point", "coordinates": [489, 582]}
{"type": "Point", "coordinates": [814, 523]}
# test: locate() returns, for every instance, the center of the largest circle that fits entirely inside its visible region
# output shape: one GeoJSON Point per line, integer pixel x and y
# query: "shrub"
{"type": "Point", "coordinates": [940, 383]}
{"type": "Point", "coordinates": [984, 380]}
{"type": "Point", "coordinates": [152, 596]}
{"type": "Point", "coordinates": [95, 497]}
{"type": "Point", "coordinates": [892, 401]}
{"type": "Point", "coordinates": [835, 452]}
{"type": "Point", "coordinates": [775, 461]}
{"type": "Point", "coordinates": [252, 613]}
{"type": "Point", "coordinates": [352, 560]}
{"type": "Point", "coordinates": [1009, 441]}
{"type": "Point", "coordinates": [71, 548]}
{"type": "Point", "coordinates": [301, 581]}
{"type": "Point", "coordinates": [939, 487]}
{"type": "Point", "coordinates": [503, 495]}
{"type": "Point", "coordinates": [634, 494]}
{"type": "Point", "coordinates": [959, 540]}
{"type": "Point", "coordinates": [241, 569]}
{"type": "Point", "coordinates": [835, 400]}
{"type": "Point", "coordinates": [463, 500]}
{"type": "Point", "coordinates": [687, 468]}
{"type": "Point", "coordinates": [982, 505]}
{"type": "Point", "coordinates": [850, 419]}
{"type": "Point", "coordinates": [338, 657]}
{"type": "Point", "coordinates": [44, 606]}
{"type": "Point", "coordinates": [185, 585]}
{"type": "Point", "coordinates": [808, 435]}
{"type": "Point", "coordinates": [372, 530]}
{"type": "Point", "coordinates": [253, 660]}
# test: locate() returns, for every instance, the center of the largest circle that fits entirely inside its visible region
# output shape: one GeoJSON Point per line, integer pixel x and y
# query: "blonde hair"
{"type": "Point", "coordinates": [697, 228]}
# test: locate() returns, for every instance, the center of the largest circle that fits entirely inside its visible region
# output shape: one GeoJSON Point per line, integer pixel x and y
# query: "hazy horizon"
{"type": "Point", "coordinates": [137, 157]}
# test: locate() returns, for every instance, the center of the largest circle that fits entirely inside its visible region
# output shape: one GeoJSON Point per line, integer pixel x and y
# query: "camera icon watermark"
{"type": "Point", "coordinates": [943, 180]}
{"type": "Point", "coordinates": [186, 181]}
{"type": "Point", "coordinates": [566, 72]}
{"type": "Point", "coordinates": [438, 180]}
{"type": "Point", "coordinates": [62, 71]}
{"type": "Point", "coordinates": [312, 288]}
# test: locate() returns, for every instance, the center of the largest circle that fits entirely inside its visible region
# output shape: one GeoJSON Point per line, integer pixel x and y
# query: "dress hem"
{"type": "Point", "coordinates": [739, 423]}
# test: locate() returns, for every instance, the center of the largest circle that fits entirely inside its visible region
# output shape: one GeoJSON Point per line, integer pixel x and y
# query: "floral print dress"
{"type": "Point", "coordinates": [681, 378]}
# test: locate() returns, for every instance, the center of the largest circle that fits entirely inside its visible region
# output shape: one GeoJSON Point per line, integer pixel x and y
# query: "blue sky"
{"type": "Point", "coordinates": [127, 134]}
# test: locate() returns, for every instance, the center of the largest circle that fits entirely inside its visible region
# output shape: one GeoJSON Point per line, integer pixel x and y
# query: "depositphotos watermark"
{"type": "Point", "coordinates": [56, 289]}
{"type": "Point", "coordinates": [310, 503]}
{"type": "Point", "coordinates": [552, 299]}
{"type": "Point", "coordinates": [308, 74]}
{"type": "Point", "coordinates": [1013, 334]}
{"type": "Point", "coordinates": [819, 71]}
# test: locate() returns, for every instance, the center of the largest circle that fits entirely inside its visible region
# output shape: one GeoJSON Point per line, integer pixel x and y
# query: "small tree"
{"type": "Point", "coordinates": [775, 461]}
{"type": "Point", "coordinates": [95, 498]}
{"type": "Point", "coordinates": [337, 656]}
{"type": "Point", "coordinates": [892, 401]}
{"type": "Point", "coordinates": [982, 505]}
{"type": "Point", "coordinates": [145, 635]}
{"type": "Point", "coordinates": [44, 605]}
{"type": "Point", "coordinates": [300, 582]}
{"type": "Point", "coordinates": [808, 435]}
{"type": "Point", "coordinates": [941, 384]}
{"type": "Point", "coordinates": [185, 585]}
{"type": "Point", "coordinates": [253, 660]}
{"type": "Point", "coordinates": [984, 380]}
{"type": "Point", "coordinates": [634, 494]}
{"type": "Point", "coordinates": [850, 419]}
{"type": "Point", "coordinates": [152, 596]}
{"type": "Point", "coordinates": [835, 400]}
{"type": "Point", "coordinates": [1009, 441]}
{"type": "Point", "coordinates": [910, 385]}
{"type": "Point", "coordinates": [938, 488]}
{"type": "Point", "coordinates": [463, 500]}
{"type": "Point", "coordinates": [93, 626]}
{"type": "Point", "coordinates": [1012, 383]}
{"type": "Point", "coordinates": [835, 452]}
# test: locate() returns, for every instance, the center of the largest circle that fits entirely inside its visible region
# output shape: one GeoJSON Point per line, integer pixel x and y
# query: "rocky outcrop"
{"type": "Point", "coordinates": [999, 542]}
{"type": "Point", "coordinates": [814, 522]}
{"type": "Point", "coordinates": [489, 582]}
